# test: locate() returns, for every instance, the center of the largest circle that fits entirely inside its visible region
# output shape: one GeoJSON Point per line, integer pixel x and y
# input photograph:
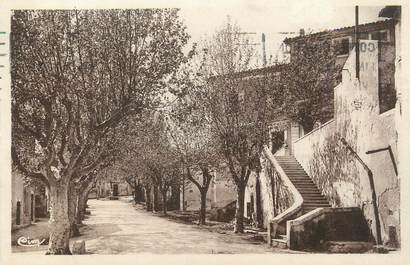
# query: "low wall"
{"type": "Point", "coordinates": [274, 195]}
{"type": "Point", "coordinates": [312, 230]}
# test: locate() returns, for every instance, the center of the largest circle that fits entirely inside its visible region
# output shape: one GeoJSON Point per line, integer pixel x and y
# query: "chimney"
{"type": "Point", "coordinates": [302, 32]}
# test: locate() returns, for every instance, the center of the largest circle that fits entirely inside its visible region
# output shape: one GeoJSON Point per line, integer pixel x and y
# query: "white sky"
{"type": "Point", "coordinates": [202, 21]}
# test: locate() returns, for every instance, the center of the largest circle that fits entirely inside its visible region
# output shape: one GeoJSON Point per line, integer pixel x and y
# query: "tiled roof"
{"type": "Point", "coordinates": [319, 34]}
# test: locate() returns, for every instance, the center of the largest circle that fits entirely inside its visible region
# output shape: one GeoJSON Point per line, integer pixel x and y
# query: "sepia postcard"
{"type": "Point", "coordinates": [204, 132]}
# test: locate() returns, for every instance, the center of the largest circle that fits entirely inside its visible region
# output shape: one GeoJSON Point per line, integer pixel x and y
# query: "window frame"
{"type": "Point", "coordinates": [350, 39]}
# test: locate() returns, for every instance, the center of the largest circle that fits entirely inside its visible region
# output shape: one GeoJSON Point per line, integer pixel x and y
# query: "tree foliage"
{"type": "Point", "coordinates": [78, 74]}
{"type": "Point", "coordinates": [308, 81]}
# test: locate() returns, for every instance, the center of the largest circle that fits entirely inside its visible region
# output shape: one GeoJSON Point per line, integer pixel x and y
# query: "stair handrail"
{"type": "Point", "coordinates": [298, 200]}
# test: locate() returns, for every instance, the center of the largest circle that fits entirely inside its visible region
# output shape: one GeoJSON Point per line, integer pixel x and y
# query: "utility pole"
{"type": "Point", "coordinates": [356, 46]}
{"type": "Point", "coordinates": [263, 50]}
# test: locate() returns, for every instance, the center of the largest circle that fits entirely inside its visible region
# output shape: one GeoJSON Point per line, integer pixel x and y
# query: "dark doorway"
{"type": "Point", "coordinates": [278, 139]}
{"type": "Point", "coordinates": [18, 213]}
{"type": "Point", "coordinates": [115, 190]}
{"type": "Point", "coordinates": [40, 208]}
{"type": "Point", "coordinates": [32, 207]}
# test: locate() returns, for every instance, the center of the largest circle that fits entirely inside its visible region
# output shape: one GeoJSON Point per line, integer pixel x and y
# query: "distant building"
{"type": "Point", "coordinates": [105, 188]}
{"type": "Point", "coordinates": [221, 192]}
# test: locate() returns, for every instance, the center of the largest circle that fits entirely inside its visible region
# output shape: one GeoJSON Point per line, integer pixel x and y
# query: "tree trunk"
{"type": "Point", "coordinates": [59, 223]}
{"type": "Point", "coordinates": [202, 211]}
{"type": "Point", "coordinates": [175, 197]}
{"type": "Point", "coordinates": [81, 207]}
{"type": "Point", "coordinates": [164, 201]}
{"type": "Point", "coordinates": [148, 198]}
{"type": "Point", "coordinates": [72, 210]}
{"type": "Point", "coordinates": [239, 228]}
{"type": "Point", "coordinates": [139, 193]}
{"type": "Point", "coordinates": [135, 191]}
{"type": "Point", "coordinates": [259, 213]}
{"type": "Point", "coordinates": [155, 206]}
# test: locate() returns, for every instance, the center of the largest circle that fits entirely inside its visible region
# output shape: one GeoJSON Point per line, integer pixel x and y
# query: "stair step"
{"type": "Point", "coordinates": [286, 161]}
{"type": "Point", "coordinates": [309, 191]}
{"type": "Point", "coordinates": [279, 243]}
{"type": "Point", "coordinates": [314, 203]}
{"type": "Point", "coordinates": [285, 157]}
{"type": "Point", "coordinates": [309, 203]}
{"type": "Point", "coordinates": [313, 197]}
{"type": "Point", "coordinates": [305, 180]}
{"type": "Point", "coordinates": [309, 209]}
{"type": "Point", "coordinates": [297, 175]}
{"type": "Point", "coordinates": [315, 206]}
{"type": "Point", "coordinates": [301, 179]}
{"type": "Point", "coordinates": [293, 177]}
{"type": "Point", "coordinates": [317, 202]}
{"type": "Point", "coordinates": [283, 237]}
{"type": "Point", "coordinates": [304, 185]}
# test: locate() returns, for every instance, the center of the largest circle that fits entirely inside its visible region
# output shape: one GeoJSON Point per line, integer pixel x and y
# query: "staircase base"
{"type": "Point", "coordinates": [348, 246]}
{"type": "Point", "coordinates": [279, 243]}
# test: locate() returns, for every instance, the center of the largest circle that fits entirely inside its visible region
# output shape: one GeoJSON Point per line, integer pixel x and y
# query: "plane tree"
{"type": "Point", "coordinates": [235, 103]}
{"type": "Point", "coordinates": [308, 80]}
{"type": "Point", "coordinates": [76, 76]}
{"type": "Point", "coordinates": [192, 137]}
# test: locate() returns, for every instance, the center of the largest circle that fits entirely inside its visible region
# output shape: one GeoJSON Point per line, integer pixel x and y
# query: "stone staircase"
{"type": "Point", "coordinates": [312, 197]}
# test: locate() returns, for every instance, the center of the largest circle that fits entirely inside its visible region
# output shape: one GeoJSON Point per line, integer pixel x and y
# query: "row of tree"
{"type": "Point", "coordinates": [92, 87]}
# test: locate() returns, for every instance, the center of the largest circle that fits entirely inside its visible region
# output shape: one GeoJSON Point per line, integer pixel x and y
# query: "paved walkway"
{"type": "Point", "coordinates": [116, 227]}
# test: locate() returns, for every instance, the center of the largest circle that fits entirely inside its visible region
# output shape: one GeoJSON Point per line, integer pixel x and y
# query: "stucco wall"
{"type": "Point", "coordinates": [103, 189]}
{"type": "Point", "coordinates": [334, 169]}
{"type": "Point", "coordinates": [20, 192]}
{"type": "Point", "coordinates": [220, 193]}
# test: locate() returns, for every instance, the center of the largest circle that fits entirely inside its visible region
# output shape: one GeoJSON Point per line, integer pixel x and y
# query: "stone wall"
{"type": "Point", "coordinates": [334, 169]}
{"type": "Point", "coordinates": [275, 197]}
{"type": "Point", "coordinates": [312, 230]}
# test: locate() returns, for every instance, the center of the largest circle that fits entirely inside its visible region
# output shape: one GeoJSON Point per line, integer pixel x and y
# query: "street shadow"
{"type": "Point", "coordinates": [93, 231]}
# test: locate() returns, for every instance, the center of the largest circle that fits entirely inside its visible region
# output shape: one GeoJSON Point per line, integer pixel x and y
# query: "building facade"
{"type": "Point", "coordinates": [361, 137]}
{"type": "Point", "coordinates": [221, 192]}
{"type": "Point", "coordinates": [28, 201]}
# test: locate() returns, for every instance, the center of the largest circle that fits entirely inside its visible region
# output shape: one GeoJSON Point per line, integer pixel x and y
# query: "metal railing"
{"type": "Point", "coordinates": [372, 187]}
